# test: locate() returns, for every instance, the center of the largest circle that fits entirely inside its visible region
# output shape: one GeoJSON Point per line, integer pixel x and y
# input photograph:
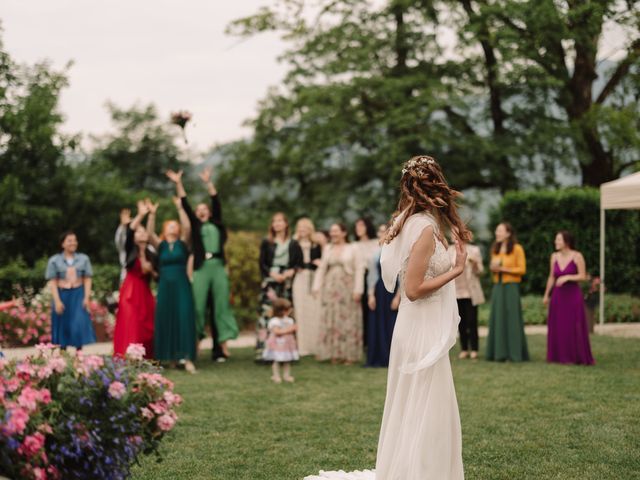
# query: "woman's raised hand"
{"type": "Point", "coordinates": [205, 174]}
{"type": "Point", "coordinates": [151, 207]}
{"type": "Point", "coordinates": [461, 255]}
{"type": "Point", "coordinates": [175, 177]}
{"type": "Point", "coordinates": [143, 208]}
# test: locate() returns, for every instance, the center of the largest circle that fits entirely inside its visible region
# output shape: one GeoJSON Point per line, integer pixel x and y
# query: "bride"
{"type": "Point", "coordinates": [420, 437]}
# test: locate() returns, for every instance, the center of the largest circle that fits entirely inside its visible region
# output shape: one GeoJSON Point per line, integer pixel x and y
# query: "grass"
{"type": "Point", "coordinates": [519, 421]}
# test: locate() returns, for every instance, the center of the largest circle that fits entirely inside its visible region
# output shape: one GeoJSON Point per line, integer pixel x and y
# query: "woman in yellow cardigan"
{"type": "Point", "coordinates": [506, 340]}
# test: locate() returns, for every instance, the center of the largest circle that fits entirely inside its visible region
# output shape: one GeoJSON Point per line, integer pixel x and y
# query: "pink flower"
{"type": "Point", "coordinates": [117, 390]}
{"type": "Point", "coordinates": [166, 422]}
{"type": "Point", "coordinates": [171, 398]}
{"type": "Point", "coordinates": [136, 351]}
{"type": "Point", "coordinates": [146, 413]}
{"type": "Point", "coordinates": [3, 363]}
{"type": "Point", "coordinates": [57, 364]}
{"type": "Point", "coordinates": [12, 384]}
{"type": "Point", "coordinates": [45, 428]}
{"type": "Point", "coordinates": [17, 422]}
{"type": "Point", "coordinates": [28, 399]}
{"type": "Point", "coordinates": [44, 396]}
{"type": "Point", "coordinates": [39, 473]}
{"type": "Point", "coordinates": [44, 372]}
{"type": "Point", "coordinates": [44, 347]}
{"type": "Point", "coordinates": [158, 408]}
{"type": "Point", "coordinates": [32, 445]}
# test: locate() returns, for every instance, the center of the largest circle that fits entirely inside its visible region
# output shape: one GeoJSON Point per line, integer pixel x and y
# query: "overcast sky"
{"type": "Point", "coordinates": [170, 53]}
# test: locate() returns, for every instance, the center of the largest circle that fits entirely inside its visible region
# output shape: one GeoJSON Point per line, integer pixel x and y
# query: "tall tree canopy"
{"type": "Point", "coordinates": [505, 93]}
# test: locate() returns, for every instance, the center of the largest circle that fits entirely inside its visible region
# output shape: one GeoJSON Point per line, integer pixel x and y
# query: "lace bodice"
{"type": "Point", "coordinates": [439, 263]}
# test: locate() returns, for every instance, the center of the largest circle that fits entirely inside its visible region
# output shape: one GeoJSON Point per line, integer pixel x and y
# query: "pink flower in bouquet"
{"type": "Point", "coordinates": [146, 413]}
{"type": "Point", "coordinates": [32, 445]}
{"type": "Point", "coordinates": [3, 363]}
{"type": "Point", "coordinates": [117, 390]}
{"type": "Point", "coordinates": [181, 119]}
{"type": "Point", "coordinates": [17, 422]}
{"type": "Point", "coordinates": [136, 351]}
{"type": "Point", "coordinates": [166, 422]}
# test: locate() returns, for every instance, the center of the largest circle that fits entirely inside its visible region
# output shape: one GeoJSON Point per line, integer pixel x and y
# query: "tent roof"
{"type": "Point", "coordinates": [623, 193]}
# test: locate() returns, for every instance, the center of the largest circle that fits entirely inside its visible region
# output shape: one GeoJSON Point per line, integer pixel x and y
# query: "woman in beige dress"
{"type": "Point", "coordinates": [339, 282]}
{"type": "Point", "coordinates": [305, 304]}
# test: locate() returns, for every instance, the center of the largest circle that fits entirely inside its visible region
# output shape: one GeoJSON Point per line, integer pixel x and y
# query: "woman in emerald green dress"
{"type": "Point", "coordinates": [175, 326]}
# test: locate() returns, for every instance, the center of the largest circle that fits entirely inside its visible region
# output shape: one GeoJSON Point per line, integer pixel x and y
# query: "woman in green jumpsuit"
{"type": "Point", "coordinates": [209, 275]}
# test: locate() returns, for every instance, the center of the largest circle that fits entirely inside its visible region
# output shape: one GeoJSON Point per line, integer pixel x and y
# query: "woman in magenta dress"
{"type": "Point", "coordinates": [568, 331]}
{"type": "Point", "coordinates": [136, 308]}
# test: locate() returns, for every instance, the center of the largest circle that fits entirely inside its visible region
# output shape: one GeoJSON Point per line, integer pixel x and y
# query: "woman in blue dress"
{"type": "Point", "coordinates": [69, 276]}
{"type": "Point", "coordinates": [383, 310]}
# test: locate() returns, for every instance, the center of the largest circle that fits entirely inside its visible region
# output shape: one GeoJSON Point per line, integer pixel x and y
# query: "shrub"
{"type": "Point", "coordinates": [619, 308]}
{"type": "Point", "coordinates": [81, 416]}
{"type": "Point", "coordinates": [28, 321]}
{"type": "Point", "coordinates": [243, 252]}
{"type": "Point", "coordinates": [538, 215]}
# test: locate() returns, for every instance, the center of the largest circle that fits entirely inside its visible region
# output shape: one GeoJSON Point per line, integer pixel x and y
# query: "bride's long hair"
{"type": "Point", "coordinates": [423, 188]}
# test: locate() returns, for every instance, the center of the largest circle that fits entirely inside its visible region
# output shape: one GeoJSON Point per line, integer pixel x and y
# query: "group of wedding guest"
{"type": "Point", "coordinates": [328, 283]}
{"type": "Point", "coordinates": [568, 332]}
{"type": "Point", "coordinates": [187, 258]}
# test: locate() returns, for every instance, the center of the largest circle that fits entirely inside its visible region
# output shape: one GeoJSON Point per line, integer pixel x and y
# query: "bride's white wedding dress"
{"type": "Point", "coordinates": [420, 437]}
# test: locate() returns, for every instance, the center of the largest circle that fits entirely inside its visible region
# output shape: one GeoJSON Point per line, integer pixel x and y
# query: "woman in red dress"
{"type": "Point", "coordinates": [136, 306]}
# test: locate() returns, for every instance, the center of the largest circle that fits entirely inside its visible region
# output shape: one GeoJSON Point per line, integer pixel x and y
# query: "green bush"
{"type": "Point", "coordinates": [243, 252]}
{"type": "Point", "coordinates": [538, 215]}
{"type": "Point", "coordinates": [17, 279]}
{"type": "Point", "coordinates": [105, 281]}
{"type": "Point", "coordinates": [619, 308]}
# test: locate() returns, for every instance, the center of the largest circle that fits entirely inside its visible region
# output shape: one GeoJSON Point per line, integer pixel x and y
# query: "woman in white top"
{"type": "Point", "coordinates": [469, 295]}
{"type": "Point", "coordinates": [420, 437]}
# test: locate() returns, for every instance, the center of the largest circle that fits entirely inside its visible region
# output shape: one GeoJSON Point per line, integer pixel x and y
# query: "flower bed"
{"type": "Point", "coordinates": [28, 322]}
{"type": "Point", "coordinates": [81, 416]}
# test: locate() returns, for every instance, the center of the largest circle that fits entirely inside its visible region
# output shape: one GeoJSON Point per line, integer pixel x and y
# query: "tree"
{"type": "Point", "coordinates": [140, 151]}
{"type": "Point", "coordinates": [33, 176]}
{"type": "Point", "coordinates": [372, 84]}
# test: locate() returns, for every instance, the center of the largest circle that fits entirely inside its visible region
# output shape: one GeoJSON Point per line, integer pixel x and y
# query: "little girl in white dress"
{"type": "Point", "coordinates": [281, 347]}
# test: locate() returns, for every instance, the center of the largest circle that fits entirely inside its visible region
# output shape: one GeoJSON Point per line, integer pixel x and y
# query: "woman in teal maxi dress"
{"type": "Point", "coordinates": [175, 323]}
{"type": "Point", "coordinates": [175, 328]}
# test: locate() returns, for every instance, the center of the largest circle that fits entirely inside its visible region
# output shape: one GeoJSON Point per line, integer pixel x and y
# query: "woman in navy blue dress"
{"type": "Point", "coordinates": [69, 275]}
{"type": "Point", "coordinates": [383, 309]}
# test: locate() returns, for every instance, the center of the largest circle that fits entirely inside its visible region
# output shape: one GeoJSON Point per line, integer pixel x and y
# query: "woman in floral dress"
{"type": "Point", "coordinates": [339, 282]}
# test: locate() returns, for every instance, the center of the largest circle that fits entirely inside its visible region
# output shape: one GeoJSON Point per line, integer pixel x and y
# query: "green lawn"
{"type": "Point", "coordinates": [519, 421]}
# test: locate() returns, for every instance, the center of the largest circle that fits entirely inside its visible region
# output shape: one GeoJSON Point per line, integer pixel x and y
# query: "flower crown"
{"type": "Point", "coordinates": [417, 162]}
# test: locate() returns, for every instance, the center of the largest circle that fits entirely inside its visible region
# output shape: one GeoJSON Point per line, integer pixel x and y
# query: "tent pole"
{"type": "Point", "coordinates": [602, 225]}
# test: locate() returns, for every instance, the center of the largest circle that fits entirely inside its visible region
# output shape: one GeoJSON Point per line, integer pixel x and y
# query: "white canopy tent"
{"type": "Point", "coordinates": [623, 193]}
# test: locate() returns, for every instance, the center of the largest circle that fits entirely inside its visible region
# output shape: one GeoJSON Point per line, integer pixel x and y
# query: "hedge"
{"type": "Point", "coordinates": [537, 215]}
{"type": "Point", "coordinates": [619, 308]}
